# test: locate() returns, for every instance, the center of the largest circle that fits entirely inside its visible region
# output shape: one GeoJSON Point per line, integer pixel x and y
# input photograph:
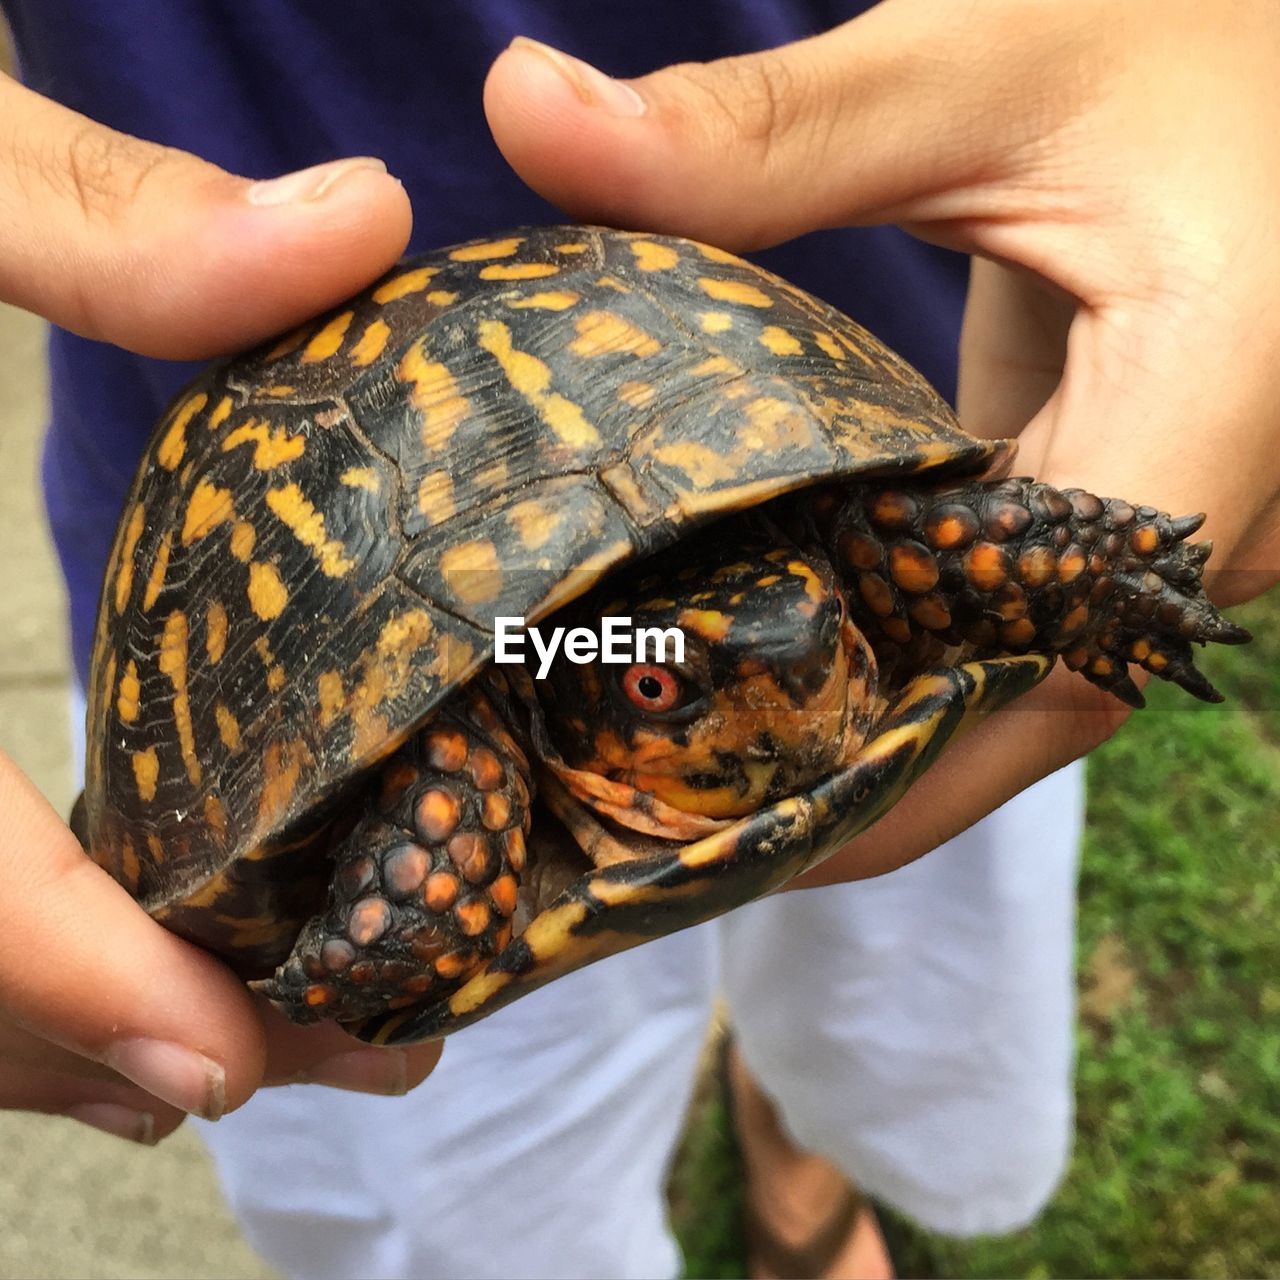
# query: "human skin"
{"type": "Point", "coordinates": [1110, 165]}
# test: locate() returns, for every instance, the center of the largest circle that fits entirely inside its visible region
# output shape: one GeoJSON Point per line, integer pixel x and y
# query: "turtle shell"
{"type": "Point", "coordinates": [323, 531]}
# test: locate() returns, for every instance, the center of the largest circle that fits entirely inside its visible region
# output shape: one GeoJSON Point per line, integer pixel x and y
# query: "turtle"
{"type": "Point", "coordinates": [317, 744]}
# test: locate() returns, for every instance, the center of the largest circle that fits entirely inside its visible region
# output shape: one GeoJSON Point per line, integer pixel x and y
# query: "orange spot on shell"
{"type": "Point", "coordinates": [215, 634]}
{"type": "Point", "coordinates": [652, 256]}
{"type": "Point", "coordinates": [328, 340]}
{"type": "Point", "coordinates": [267, 593]}
{"type": "Point", "coordinates": [739, 291]}
{"type": "Point", "coordinates": [173, 444]}
{"type": "Point", "coordinates": [403, 285]}
{"type": "Point", "coordinates": [272, 447]}
{"type": "Point", "coordinates": [519, 271]}
{"type": "Point", "coordinates": [487, 250]}
{"type": "Point", "coordinates": [146, 772]}
{"type": "Point", "coordinates": [297, 514]}
{"type": "Point", "coordinates": [124, 575]}
{"type": "Point", "coordinates": [130, 691]}
{"type": "Point", "coordinates": [371, 343]}
{"type": "Point", "coordinates": [207, 508]}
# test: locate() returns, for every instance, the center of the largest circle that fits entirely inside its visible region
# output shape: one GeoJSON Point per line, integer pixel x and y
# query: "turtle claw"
{"type": "Point", "coordinates": [1183, 527]}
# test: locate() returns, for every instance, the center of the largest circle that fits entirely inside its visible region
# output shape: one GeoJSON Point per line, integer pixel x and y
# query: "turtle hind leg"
{"type": "Point", "coordinates": [1015, 566]}
{"type": "Point", "coordinates": [425, 884]}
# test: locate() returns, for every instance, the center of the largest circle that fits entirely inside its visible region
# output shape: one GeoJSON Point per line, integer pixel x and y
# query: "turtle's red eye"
{"type": "Point", "coordinates": [652, 688]}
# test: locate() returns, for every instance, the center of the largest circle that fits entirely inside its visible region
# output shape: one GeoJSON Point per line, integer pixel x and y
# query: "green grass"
{"type": "Point", "coordinates": [1176, 1169]}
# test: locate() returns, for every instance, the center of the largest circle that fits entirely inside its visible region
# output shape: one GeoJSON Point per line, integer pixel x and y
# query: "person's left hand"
{"type": "Point", "coordinates": [1114, 170]}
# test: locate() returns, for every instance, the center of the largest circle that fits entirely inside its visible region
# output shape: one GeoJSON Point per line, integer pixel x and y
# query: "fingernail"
{"type": "Point", "coordinates": [181, 1077]}
{"type": "Point", "coordinates": [362, 1071]}
{"type": "Point", "coordinates": [592, 86]}
{"type": "Point", "coordinates": [313, 183]}
{"type": "Point", "coordinates": [120, 1122]}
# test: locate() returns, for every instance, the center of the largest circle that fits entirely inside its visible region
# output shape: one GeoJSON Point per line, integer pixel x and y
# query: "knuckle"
{"type": "Point", "coordinates": [754, 102]}
{"type": "Point", "coordinates": [105, 172]}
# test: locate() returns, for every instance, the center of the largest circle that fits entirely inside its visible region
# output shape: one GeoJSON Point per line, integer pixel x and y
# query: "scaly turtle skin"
{"type": "Point", "coordinates": [300, 755]}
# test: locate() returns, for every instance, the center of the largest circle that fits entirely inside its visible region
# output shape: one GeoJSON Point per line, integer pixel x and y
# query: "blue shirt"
{"type": "Point", "coordinates": [266, 86]}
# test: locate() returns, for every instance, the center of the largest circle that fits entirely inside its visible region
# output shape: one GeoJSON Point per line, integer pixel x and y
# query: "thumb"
{"type": "Point", "coordinates": [881, 119]}
{"type": "Point", "coordinates": [155, 250]}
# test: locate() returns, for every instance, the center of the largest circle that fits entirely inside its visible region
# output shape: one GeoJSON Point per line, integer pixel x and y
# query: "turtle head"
{"type": "Point", "coordinates": [744, 681]}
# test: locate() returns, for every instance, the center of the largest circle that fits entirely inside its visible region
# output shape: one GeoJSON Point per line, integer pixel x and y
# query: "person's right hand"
{"type": "Point", "coordinates": [104, 1015]}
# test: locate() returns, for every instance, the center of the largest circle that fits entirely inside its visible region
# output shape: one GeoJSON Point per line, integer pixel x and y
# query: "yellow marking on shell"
{"type": "Point", "coordinates": [488, 250]}
{"type": "Point", "coordinates": [747, 295]}
{"type": "Point", "coordinates": [289, 342]}
{"type": "Point", "coordinates": [712, 254]}
{"type": "Point", "coordinates": [279, 391]}
{"type": "Point", "coordinates": [547, 935]}
{"type": "Point", "coordinates": [472, 572]}
{"type": "Point", "coordinates": [612, 282]}
{"type": "Point", "coordinates": [603, 333]}
{"type": "Point", "coordinates": [173, 663]}
{"type": "Point", "coordinates": [702, 466]}
{"type": "Point", "coordinates": [307, 525]}
{"type": "Point", "coordinates": [124, 575]}
{"type": "Point", "coordinates": [216, 816]}
{"type": "Point", "coordinates": [710, 624]}
{"type": "Point", "coordinates": [155, 847]}
{"type": "Point", "coordinates": [716, 364]}
{"type": "Point", "coordinates": [371, 343]}
{"type": "Point", "coordinates": [281, 768]}
{"type": "Point", "coordinates": [207, 508]}
{"type": "Point", "coordinates": [215, 631]}
{"type": "Point", "coordinates": [130, 693]}
{"type": "Point", "coordinates": [155, 579]}
{"type": "Point", "coordinates": [830, 346]}
{"type": "Point", "coordinates": [327, 342]}
{"type": "Point", "coordinates": [272, 448]}
{"type": "Point", "coordinates": [534, 523]}
{"type": "Point", "coordinates": [146, 772]}
{"type": "Point", "coordinates": [267, 593]}
{"type": "Point", "coordinates": [220, 414]}
{"type": "Point", "coordinates": [553, 300]}
{"type": "Point", "coordinates": [173, 444]}
{"type": "Point", "coordinates": [779, 341]}
{"type": "Point", "coordinates": [243, 540]}
{"type": "Point", "coordinates": [228, 726]}
{"type": "Point", "coordinates": [651, 256]}
{"type": "Point", "coordinates": [442, 298]}
{"type": "Point", "coordinates": [715, 322]}
{"type": "Point", "coordinates": [275, 678]}
{"type": "Point", "coordinates": [573, 246]}
{"type": "Point", "coordinates": [435, 496]}
{"type": "Point", "coordinates": [638, 395]}
{"type": "Point", "coordinates": [519, 271]}
{"type": "Point", "coordinates": [777, 424]}
{"type": "Point", "coordinates": [403, 285]}
{"type": "Point", "coordinates": [361, 478]}
{"type": "Point", "coordinates": [435, 395]}
{"type": "Point", "coordinates": [387, 668]}
{"type": "Point", "coordinates": [480, 990]}
{"type": "Point", "coordinates": [493, 477]}
{"type": "Point", "coordinates": [130, 868]}
{"type": "Point", "coordinates": [531, 378]}
{"type": "Point", "coordinates": [331, 696]}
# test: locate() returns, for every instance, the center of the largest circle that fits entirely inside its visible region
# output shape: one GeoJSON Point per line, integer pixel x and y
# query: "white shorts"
{"type": "Point", "coordinates": [916, 1029]}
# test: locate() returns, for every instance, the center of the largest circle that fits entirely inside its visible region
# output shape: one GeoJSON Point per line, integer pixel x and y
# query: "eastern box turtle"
{"type": "Point", "coordinates": [300, 753]}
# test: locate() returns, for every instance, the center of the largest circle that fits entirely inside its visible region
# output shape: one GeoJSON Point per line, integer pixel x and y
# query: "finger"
{"type": "Point", "coordinates": [158, 251]}
{"type": "Point", "coordinates": [327, 1055]}
{"type": "Point", "coordinates": [85, 968]}
{"type": "Point", "coordinates": [885, 118]}
{"type": "Point", "coordinates": [37, 1076]}
{"type": "Point", "coordinates": [1059, 721]}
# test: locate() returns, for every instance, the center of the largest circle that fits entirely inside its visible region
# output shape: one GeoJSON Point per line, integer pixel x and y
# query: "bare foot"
{"type": "Point", "coordinates": [804, 1217]}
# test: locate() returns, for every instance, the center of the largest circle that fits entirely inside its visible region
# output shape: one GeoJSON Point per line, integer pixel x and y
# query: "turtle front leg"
{"type": "Point", "coordinates": [425, 884]}
{"type": "Point", "coordinates": [1015, 566]}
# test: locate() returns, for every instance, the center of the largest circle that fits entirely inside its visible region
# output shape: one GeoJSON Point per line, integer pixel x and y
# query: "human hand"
{"type": "Point", "coordinates": [104, 1015]}
{"type": "Point", "coordinates": [1113, 167]}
